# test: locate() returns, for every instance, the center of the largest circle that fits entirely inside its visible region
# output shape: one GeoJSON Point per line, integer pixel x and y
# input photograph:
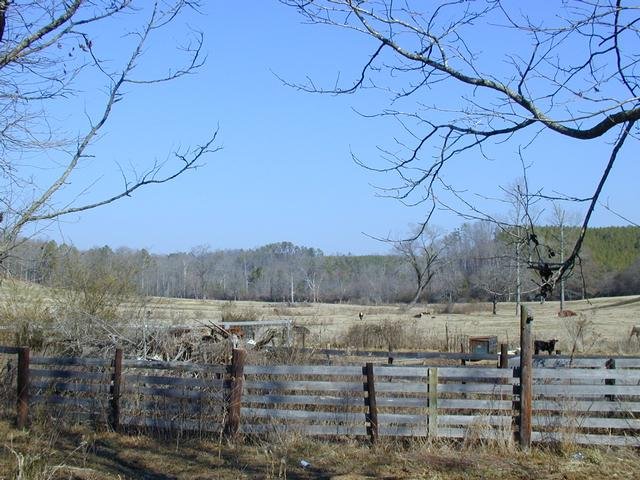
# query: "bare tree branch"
{"type": "Point", "coordinates": [563, 76]}
{"type": "Point", "coordinates": [44, 47]}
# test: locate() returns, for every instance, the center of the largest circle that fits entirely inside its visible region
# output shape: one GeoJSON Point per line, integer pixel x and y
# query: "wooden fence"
{"type": "Point", "coordinates": [592, 401]}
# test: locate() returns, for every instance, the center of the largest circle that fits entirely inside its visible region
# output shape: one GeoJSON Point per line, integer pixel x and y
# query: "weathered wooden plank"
{"type": "Point", "coordinates": [626, 381]}
{"type": "Point", "coordinates": [585, 406]}
{"type": "Point", "coordinates": [474, 372]}
{"type": "Point", "coordinates": [401, 387]}
{"type": "Point", "coordinates": [407, 372]}
{"type": "Point", "coordinates": [164, 424]}
{"type": "Point", "coordinates": [89, 403]}
{"type": "Point", "coordinates": [175, 366]}
{"type": "Point", "coordinates": [302, 400]}
{"type": "Point", "coordinates": [69, 361]}
{"type": "Point", "coordinates": [174, 393]}
{"type": "Point", "coordinates": [588, 361]}
{"type": "Point", "coordinates": [303, 385]}
{"type": "Point", "coordinates": [627, 362]}
{"type": "Point", "coordinates": [166, 380]}
{"type": "Point", "coordinates": [557, 361]}
{"type": "Point", "coordinates": [476, 420]}
{"type": "Point", "coordinates": [469, 404]}
{"type": "Point", "coordinates": [402, 418]}
{"type": "Point", "coordinates": [575, 381]}
{"type": "Point", "coordinates": [586, 422]}
{"type": "Point", "coordinates": [336, 371]}
{"type": "Point", "coordinates": [403, 431]}
{"type": "Point", "coordinates": [587, 439]}
{"type": "Point", "coordinates": [585, 390]}
{"type": "Point", "coordinates": [400, 402]}
{"type": "Point", "coordinates": [162, 408]}
{"type": "Point", "coordinates": [70, 416]}
{"type": "Point", "coordinates": [9, 350]}
{"type": "Point", "coordinates": [409, 387]}
{"type": "Point", "coordinates": [334, 430]}
{"type": "Point", "coordinates": [352, 417]}
{"type": "Point", "coordinates": [481, 433]}
{"type": "Point", "coordinates": [485, 388]}
{"type": "Point", "coordinates": [70, 387]}
{"type": "Point", "coordinates": [68, 374]}
{"type": "Point", "coordinates": [598, 374]}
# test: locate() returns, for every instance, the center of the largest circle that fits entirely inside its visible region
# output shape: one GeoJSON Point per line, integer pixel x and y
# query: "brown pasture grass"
{"type": "Point", "coordinates": [81, 454]}
{"type": "Point", "coordinates": [601, 326]}
{"type": "Point", "coordinates": [609, 321]}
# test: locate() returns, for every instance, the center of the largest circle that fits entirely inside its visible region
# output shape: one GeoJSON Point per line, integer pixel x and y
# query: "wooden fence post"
{"type": "Point", "coordinates": [114, 414]}
{"type": "Point", "coordinates": [238, 358]}
{"type": "Point", "coordinates": [432, 425]}
{"type": "Point", "coordinates": [526, 378]}
{"type": "Point", "coordinates": [504, 356]}
{"type": "Point", "coordinates": [611, 364]}
{"type": "Point", "coordinates": [372, 412]}
{"type": "Point", "coordinates": [23, 387]}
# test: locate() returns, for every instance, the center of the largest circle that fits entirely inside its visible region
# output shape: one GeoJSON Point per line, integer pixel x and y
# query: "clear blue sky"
{"type": "Point", "coordinates": [285, 172]}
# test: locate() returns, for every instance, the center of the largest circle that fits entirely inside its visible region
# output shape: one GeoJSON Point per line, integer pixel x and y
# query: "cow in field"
{"type": "Point", "coordinates": [635, 331]}
{"type": "Point", "coordinates": [545, 346]}
{"type": "Point", "coordinates": [567, 313]}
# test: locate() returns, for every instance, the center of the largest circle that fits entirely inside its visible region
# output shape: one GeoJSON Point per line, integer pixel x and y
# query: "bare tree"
{"type": "Point", "coordinates": [422, 254]}
{"type": "Point", "coordinates": [201, 266]}
{"type": "Point", "coordinates": [50, 55]}
{"type": "Point", "coordinates": [572, 72]}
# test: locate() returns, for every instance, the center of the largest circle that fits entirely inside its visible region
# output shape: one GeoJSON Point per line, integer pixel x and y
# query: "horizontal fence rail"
{"type": "Point", "coordinates": [589, 400]}
{"type": "Point", "coordinates": [597, 405]}
{"type": "Point", "coordinates": [72, 389]}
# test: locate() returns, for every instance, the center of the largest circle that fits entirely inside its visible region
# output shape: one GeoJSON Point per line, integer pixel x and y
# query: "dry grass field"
{"type": "Point", "coordinates": [605, 323]}
{"type": "Point", "coordinates": [600, 326]}
{"type": "Point", "coordinates": [81, 454]}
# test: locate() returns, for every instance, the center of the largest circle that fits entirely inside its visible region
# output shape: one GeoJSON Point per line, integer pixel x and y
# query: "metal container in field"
{"type": "Point", "coordinates": [484, 344]}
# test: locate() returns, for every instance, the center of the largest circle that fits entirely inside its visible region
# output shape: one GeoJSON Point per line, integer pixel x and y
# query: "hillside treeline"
{"type": "Point", "coordinates": [474, 262]}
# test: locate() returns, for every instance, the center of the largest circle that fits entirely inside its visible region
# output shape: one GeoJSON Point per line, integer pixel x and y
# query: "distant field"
{"type": "Point", "coordinates": [608, 320]}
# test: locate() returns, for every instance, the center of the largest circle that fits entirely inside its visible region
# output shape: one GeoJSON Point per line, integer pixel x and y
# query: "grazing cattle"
{"type": "Point", "coordinates": [545, 346]}
{"type": "Point", "coordinates": [361, 315]}
{"type": "Point", "coordinates": [567, 313]}
{"type": "Point", "coordinates": [635, 330]}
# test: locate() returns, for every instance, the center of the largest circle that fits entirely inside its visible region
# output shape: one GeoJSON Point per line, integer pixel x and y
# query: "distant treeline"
{"type": "Point", "coordinates": [472, 263]}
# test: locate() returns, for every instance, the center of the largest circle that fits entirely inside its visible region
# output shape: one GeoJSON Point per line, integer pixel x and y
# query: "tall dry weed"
{"type": "Point", "coordinates": [581, 334]}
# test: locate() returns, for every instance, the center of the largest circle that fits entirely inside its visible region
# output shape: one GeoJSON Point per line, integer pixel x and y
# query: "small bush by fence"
{"type": "Point", "coordinates": [592, 401]}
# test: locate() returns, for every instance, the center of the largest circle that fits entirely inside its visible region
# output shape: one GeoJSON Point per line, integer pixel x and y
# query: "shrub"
{"type": "Point", "coordinates": [232, 313]}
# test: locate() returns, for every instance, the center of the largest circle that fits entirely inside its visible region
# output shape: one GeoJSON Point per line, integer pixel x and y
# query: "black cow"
{"type": "Point", "coordinates": [545, 346]}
